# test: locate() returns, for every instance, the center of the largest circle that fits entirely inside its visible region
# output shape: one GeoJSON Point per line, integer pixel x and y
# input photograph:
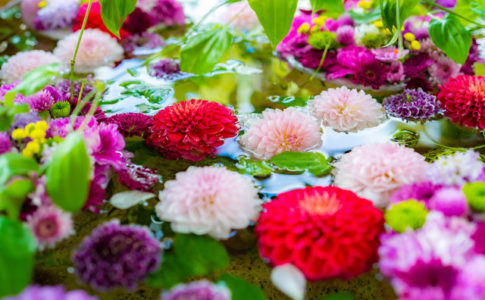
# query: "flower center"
{"type": "Point", "coordinates": [47, 228]}
{"type": "Point", "coordinates": [478, 86]}
{"type": "Point", "coordinates": [323, 204]}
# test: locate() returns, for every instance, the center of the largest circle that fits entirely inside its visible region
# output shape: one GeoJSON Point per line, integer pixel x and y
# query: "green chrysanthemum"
{"type": "Point", "coordinates": [372, 40]}
{"type": "Point", "coordinates": [407, 214]}
{"type": "Point", "coordinates": [475, 195]}
{"type": "Point", "coordinates": [323, 39]}
{"type": "Point", "coordinates": [60, 109]}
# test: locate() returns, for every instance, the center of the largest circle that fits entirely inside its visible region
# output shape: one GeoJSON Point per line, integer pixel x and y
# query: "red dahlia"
{"type": "Point", "coordinates": [192, 129]}
{"type": "Point", "coordinates": [463, 98]}
{"type": "Point", "coordinates": [326, 232]}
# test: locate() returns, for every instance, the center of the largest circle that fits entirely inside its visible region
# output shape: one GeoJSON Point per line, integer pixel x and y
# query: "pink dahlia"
{"type": "Point", "coordinates": [347, 110]}
{"type": "Point", "coordinates": [280, 131]}
{"type": "Point", "coordinates": [209, 200]}
{"type": "Point", "coordinates": [443, 69]}
{"type": "Point", "coordinates": [192, 129]}
{"type": "Point", "coordinates": [29, 9]}
{"type": "Point", "coordinates": [463, 98]}
{"type": "Point", "coordinates": [376, 171]}
{"type": "Point", "coordinates": [326, 232]}
{"type": "Point", "coordinates": [50, 225]}
{"type": "Point", "coordinates": [23, 62]}
{"type": "Point", "coordinates": [97, 49]}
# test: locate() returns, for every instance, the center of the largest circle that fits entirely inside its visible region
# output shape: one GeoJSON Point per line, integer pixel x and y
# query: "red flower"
{"type": "Point", "coordinates": [94, 20]}
{"type": "Point", "coordinates": [192, 129]}
{"type": "Point", "coordinates": [463, 98]}
{"type": "Point", "coordinates": [132, 124]}
{"type": "Point", "coordinates": [325, 232]}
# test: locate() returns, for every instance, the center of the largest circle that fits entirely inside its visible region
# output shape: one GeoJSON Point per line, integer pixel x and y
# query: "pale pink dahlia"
{"type": "Point", "coordinates": [280, 131]}
{"type": "Point", "coordinates": [23, 62]}
{"type": "Point", "coordinates": [376, 171]}
{"type": "Point", "coordinates": [209, 200]}
{"type": "Point", "coordinates": [97, 49]}
{"type": "Point", "coordinates": [347, 110]}
{"type": "Point", "coordinates": [50, 225]}
{"type": "Point", "coordinates": [443, 69]}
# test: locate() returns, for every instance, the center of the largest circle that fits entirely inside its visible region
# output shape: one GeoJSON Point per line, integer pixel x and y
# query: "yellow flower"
{"type": "Point", "coordinates": [320, 21]}
{"type": "Point", "coordinates": [27, 153]}
{"type": "Point", "coordinates": [37, 134]}
{"type": "Point", "coordinates": [19, 134]}
{"type": "Point", "coordinates": [415, 45]}
{"type": "Point", "coordinates": [378, 24]}
{"type": "Point", "coordinates": [409, 37]}
{"type": "Point", "coordinates": [315, 29]}
{"type": "Point", "coordinates": [304, 28]}
{"type": "Point", "coordinates": [33, 147]}
{"type": "Point", "coordinates": [29, 128]}
{"type": "Point", "coordinates": [365, 4]}
{"type": "Point", "coordinates": [42, 125]}
{"type": "Point", "coordinates": [42, 4]}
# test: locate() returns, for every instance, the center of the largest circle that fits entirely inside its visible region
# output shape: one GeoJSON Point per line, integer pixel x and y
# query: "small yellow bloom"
{"type": "Point", "coordinates": [27, 153]}
{"type": "Point", "coordinates": [320, 21]}
{"type": "Point", "coordinates": [387, 31]}
{"type": "Point", "coordinates": [42, 4]}
{"type": "Point", "coordinates": [304, 28]}
{"type": "Point", "coordinates": [409, 37]}
{"type": "Point", "coordinates": [378, 24]}
{"type": "Point", "coordinates": [19, 134]}
{"type": "Point", "coordinates": [365, 4]}
{"type": "Point", "coordinates": [37, 134]}
{"type": "Point", "coordinates": [415, 45]}
{"type": "Point", "coordinates": [33, 147]}
{"type": "Point", "coordinates": [42, 125]}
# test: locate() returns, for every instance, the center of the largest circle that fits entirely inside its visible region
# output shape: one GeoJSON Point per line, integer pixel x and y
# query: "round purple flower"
{"type": "Point", "coordinates": [416, 65]}
{"type": "Point", "coordinates": [115, 255]}
{"type": "Point", "coordinates": [345, 35]}
{"type": "Point", "coordinates": [451, 201]}
{"type": "Point", "coordinates": [167, 69]}
{"type": "Point", "coordinates": [199, 290]}
{"type": "Point", "coordinates": [421, 191]}
{"type": "Point", "coordinates": [44, 99]}
{"type": "Point", "coordinates": [35, 292]}
{"type": "Point", "coordinates": [413, 105]}
{"type": "Point", "coordinates": [373, 74]}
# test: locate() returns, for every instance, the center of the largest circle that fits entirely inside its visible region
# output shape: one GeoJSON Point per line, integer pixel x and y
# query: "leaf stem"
{"type": "Point", "coordinates": [398, 20]}
{"type": "Point", "coordinates": [321, 62]}
{"type": "Point", "coordinates": [73, 61]}
{"type": "Point", "coordinates": [432, 3]}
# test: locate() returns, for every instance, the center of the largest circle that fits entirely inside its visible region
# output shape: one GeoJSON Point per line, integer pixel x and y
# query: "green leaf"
{"type": "Point", "coordinates": [452, 37]}
{"type": "Point", "coordinates": [204, 50]}
{"type": "Point", "coordinates": [276, 17]}
{"type": "Point", "coordinates": [6, 117]}
{"type": "Point", "coordinates": [332, 8]}
{"type": "Point", "coordinates": [254, 168]}
{"type": "Point", "coordinates": [37, 79]}
{"type": "Point", "coordinates": [470, 10]}
{"type": "Point", "coordinates": [389, 13]}
{"type": "Point", "coordinates": [241, 289]}
{"type": "Point", "coordinates": [478, 7]}
{"type": "Point", "coordinates": [365, 18]}
{"type": "Point", "coordinates": [339, 296]}
{"type": "Point", "coordinates": [13, 164]}
{"type": "Point", "coordinates": [16, 256]}
{"type": "Point", "coordinates": [314, 162]}
{"type": "Point", "coordinates": [115, 12]}
{"type": "Point", "coordinates": [192, 255]}
{"type": "Point", "coordinates": [13, 197]}
{"type": "Point", "coordinates": [68, 171]}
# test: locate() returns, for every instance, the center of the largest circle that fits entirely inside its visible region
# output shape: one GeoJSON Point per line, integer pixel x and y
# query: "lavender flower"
{"type": "Point", "coordinates": [115, 255]}
{"type": "Point", "coordinates": [456, 169]}
{"type": "Point", "coordinates": [21, 120]}
{"type": "Point", "coordinates": [166, 69]}
{"type": "Point", "coordinates": [413, 105]}
{"type": "Point", "coordinates": [199, 290]}
{"type": "Point", "coordinates": [35, 292]}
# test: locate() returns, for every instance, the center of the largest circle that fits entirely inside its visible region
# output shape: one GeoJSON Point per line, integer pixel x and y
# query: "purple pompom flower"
{"type": "Point", "coordinates": [166, 69]}
{"type": "Point", "coordinates": [421, 191]}
{"type": "Point", "coordinates": [345, 35]}
{"type": "Point", "coordinates": [199, 290]}
{"type": "Point", "coordinates": [44, 99]}
{"type": "Point", "coordinates": [451, 201]}
{"type": "Point", "coordinates": [413, 105]}
{"type": "Point", "coordinates": [115, 255]}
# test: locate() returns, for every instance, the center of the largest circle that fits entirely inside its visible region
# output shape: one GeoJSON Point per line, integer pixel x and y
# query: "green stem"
{"type": "Point", "coordinates": [453, 13]}
{"type": "Point", "coordinates": [73, 61]}
{"type": "Point", "coordinates": [321, 62]}
{"type": "Point", "coordinates": [398, 19]}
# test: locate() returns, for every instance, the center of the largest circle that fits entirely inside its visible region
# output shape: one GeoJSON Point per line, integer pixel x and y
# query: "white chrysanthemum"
{"type": "Point", "coordinates": [23, 62]}
{"type": "Point", "coordinates": [456, 169]}
{"type": "Point", "coordinates": [97, 49]}
{"type": "Point", "coordinates": [362, 30]}
{"type": "Point", "coordinates": [209, 200]}
{"type": "Point", "coordinates": [347, 110]}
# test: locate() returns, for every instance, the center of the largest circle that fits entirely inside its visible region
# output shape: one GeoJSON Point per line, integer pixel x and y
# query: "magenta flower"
{"type": "Point", "coordinates": [45, 99]}
{"type": "Point", "coordinates": [35, 292]}
{"type": "Point", "coordinates": [132, 124]}
{"type": "Point", "coordinates": [5, 143]}
{"type": "Point", "coordinates": [421, 191]}
{"type": "Point", "coordinates": [50, 225]}
{"type": "Point", "coordinates": [168, 12]}
{"type": "Point", "coordinates": [138, 177]}
{"type": "Point", "coordinates": [199, 290]}
{"type": "Point", "coordinates": [108, 151]}
{"type": "Point", "coordinates": [451, 201]}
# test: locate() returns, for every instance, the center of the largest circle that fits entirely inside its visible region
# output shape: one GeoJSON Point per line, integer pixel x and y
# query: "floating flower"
{"type": "Point", "coordinates": [396, 72]}
{"type": "Point", "coordinates": [409, 214]}
{"type": "Point", "coordinates": [443, 69]}
{"type": "Point", "coordinates": [198, 290]}
{"type": "Point", "coordinates": [95, 21]}
{"type": "Point", "coordinates": [376, 171]}
{"type": "Point", "coordinates": [138, 177]}
{"type": "Point", "coordinates": [56, 14]}
{"type": "Point", "coordinates": [132, 124]}
{"type": "Point", "coordinates": [389, 54]}
{"type": "Point", "coordinates": [50, 225]}
{"type": "Point", "coordinates": [35, 292]}
{"type": "Point", "coordinates": [311, 227]}
{"type": "Point", "coordinates": [345, 35]}
{"type": "Point", "coordinates": [192, 129]}
{"type": "Point", "coordinates": [456, 169]}
{"type": "Point", "coordinates": [413, 105]}
{"type": "Point", "coordinates": [463, 99]}
{"type": "Point", "coordinates": [209, 200]}
{"type": "Point", "coordinates": [280, 131]}
{"type": "Point", "coordinates": [167, 69]}
{"type": "Point", "coordinates": [347, 110]}
{"type": "Point", "coordinates": [116, 255]}
{"type": "Point", "coordinates": [168, 12]}
{"type": "Point", "coordinates": [137, 22]}
{"type": "Point", "coordinates": [450, 201]}
{"type": "Point", "coordinates": [422, 191]}
{"type": "Point", "coordinates": [23, 62]}
{"type": "Point", "coordinates": [97, 49]}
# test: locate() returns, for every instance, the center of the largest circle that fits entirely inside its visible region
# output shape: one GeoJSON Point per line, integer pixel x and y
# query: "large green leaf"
{"type": "Point", "coordinates": [204, 50]}
{"type": "Point", "coordinates": [389, 12]}
{"type": "Point", "coordinates": [276, 17]}
{"type": "Point", "coordinates": [68, 171]}
{"type": "Point", "coordinates": [115, 12]}
{"type": "Point", "coordinates": [253, 167]}
{"type": "Point", "coordinates": [36, 79]}
{"type": "Point", "coordinates": [452, 37]}
{"type": "Point", "coordinates": [192, 255]}
{"type": "Point", "coordinates": [241, 289]}
{"type": "Point", "coordinates": [470, 10]}
{"type": "Point", "coordinates": [16, 256]}
{"type": "Point", "coordinates": [313, 162]}
{"type": "Point", "coordinates": [333, 8]}
{"type": "Point", "coordinates": [13, 196]}
{"type": "Point", "coordinates": [12, 164]}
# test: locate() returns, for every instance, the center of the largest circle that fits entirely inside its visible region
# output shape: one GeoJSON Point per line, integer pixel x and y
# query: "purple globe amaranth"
{"type": "Point", "coordinates": [413, 105]}
{"type": "Point", "coordinates": [167, 69]}
{"type": "Point", "coordinates": [421, 191]}
{"type": "Point", "coordinates": [45, 99]}
{"type": "Point", "coordinates": [451, 201]}
{"type": "Point", "coordinates": [117, 255]}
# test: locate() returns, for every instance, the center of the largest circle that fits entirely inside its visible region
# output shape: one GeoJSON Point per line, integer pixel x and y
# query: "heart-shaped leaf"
{"type": "Point", "coordinates": [452, 37]}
